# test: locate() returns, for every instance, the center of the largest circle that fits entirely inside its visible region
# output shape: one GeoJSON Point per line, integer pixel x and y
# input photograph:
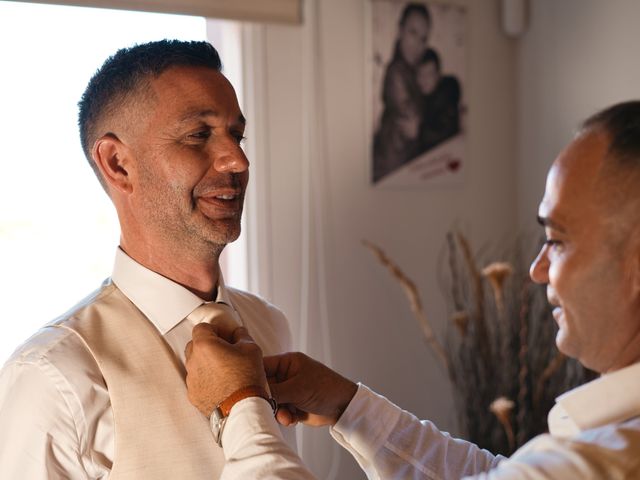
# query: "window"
{"type": "Point", "coordinates": [58, 230]}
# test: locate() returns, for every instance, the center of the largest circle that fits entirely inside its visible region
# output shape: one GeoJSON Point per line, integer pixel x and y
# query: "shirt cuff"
{"type": "Point", "coordinates": [366, 423]}
{"type": "Point", "coordinates": [248, 418]}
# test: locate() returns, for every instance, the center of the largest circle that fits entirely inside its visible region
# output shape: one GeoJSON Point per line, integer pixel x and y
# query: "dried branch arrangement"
{"type": "Point", "coordinates": [498, 349]}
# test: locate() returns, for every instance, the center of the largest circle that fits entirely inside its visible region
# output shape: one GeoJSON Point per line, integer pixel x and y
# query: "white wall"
{"type": "Point", "coordinates": [526, 97]}
{"type": "Point", "coordinates": [317, 136]}
{"type": "Point", "coordinates": [577, 57]}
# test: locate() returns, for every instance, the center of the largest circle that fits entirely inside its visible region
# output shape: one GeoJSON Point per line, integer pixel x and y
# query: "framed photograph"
{"type": "Point", "coordinates": [417, 96]}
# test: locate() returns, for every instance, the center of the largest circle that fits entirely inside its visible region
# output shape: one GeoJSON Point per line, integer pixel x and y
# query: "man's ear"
{"type": "Point", "coordinates": [113, 160]}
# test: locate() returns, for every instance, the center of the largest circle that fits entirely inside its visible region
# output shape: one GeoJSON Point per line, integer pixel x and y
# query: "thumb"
{"type": "Point", "coordinates": [285, 417]}
{"type": "Point", "coordinates": [224, 326]}
{"type": "Point", "coordinates": [188, 350]}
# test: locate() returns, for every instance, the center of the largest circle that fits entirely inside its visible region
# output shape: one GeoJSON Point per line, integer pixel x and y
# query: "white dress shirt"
{"type": "Point", "coordinates": [594, 434]}
{"type": "Point", "coordinates": [56, 420]}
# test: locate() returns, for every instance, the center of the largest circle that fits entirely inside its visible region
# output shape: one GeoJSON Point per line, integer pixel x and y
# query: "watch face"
{"type": "Point", "coordinates": [217, 421]}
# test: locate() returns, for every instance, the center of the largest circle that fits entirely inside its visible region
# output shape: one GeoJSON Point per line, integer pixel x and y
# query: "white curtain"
{"type": "Point", "coordinates": [296, 280]}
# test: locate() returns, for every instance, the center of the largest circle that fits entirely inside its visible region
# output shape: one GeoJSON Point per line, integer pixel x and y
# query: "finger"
{"type": "Point", "coordinates": [241, 334]}
{"type": "Point", "coordinates": [203, 331]}
{"type": "Point", "coordinates": [285, 417]}
{"type": "Point", "coordinates": [300, 416]}
{"type": "Point", "coordinates": [277, 366]}
{"type": "Point", "coordinates": [188, 350]}
{"type": "Point", "coordinates": [292, 415]}
{"type": "Point", "coordinates": [224, 326]}
{"type": "Point", "coordinates": [271, 365]}
{"type": "Point", "coordinates": [285, 392]}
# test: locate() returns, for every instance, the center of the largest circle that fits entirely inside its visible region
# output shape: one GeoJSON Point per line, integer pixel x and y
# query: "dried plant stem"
{"type": "Point", "coordinates": [552, 368]}
{"type": "Point", "coordinates": [453, 269]}
{"type": "Point", "coordinates": [523, 373]}
{"type": "Point", "coordinates": [502, 407]}
{"type": "Point", "coordinates": [497, 273]}
{"type": "Point", "coordinates": [478, 291]}
{"type": "Point", "coordinates": [413, 296]}
{"type": "Point", "coordinates": [460, 320]}
{"type": "Point", "coordinates": [508, 429]}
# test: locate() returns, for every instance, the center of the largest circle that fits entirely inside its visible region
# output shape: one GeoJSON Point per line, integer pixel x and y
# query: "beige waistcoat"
{"type": "Point", "coordinates": [158, 433]}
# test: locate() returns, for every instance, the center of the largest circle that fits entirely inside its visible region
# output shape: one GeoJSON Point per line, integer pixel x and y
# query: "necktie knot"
{"type": "Point", "coordinates": [219, 313]}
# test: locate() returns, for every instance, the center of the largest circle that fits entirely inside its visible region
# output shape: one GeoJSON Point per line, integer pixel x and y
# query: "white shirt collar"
{"type": "Point", "coordinates": [164, 302]}
{"type": "Point", "coordinates": [612, 398]}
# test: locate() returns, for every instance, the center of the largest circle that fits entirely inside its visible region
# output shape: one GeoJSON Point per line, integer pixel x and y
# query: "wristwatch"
{"type": "Point", "coordinates": [218, 417]}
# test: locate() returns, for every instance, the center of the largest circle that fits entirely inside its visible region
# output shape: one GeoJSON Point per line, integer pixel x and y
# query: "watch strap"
{"type": "Point", "coordinates": [245, 392]}
{"type": "Point", "coordinates": [219, 415]}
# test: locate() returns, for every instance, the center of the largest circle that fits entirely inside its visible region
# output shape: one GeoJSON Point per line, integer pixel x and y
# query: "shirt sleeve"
{"type": "Point", "coordinates": [610, 451]}
{"type": "Point", "coordinates": [388, 442]}
{"type": "Point", "coordinates": [254, 448]}
{"type": "Point", "coordinates": [38, 434]}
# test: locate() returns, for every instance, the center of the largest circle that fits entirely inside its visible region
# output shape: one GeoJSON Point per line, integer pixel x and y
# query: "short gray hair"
{"type": "Point", "coordinates": [121, 76]}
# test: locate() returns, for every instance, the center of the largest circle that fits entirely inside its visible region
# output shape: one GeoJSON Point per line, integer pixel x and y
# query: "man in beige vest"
{"type": "Point", "coordinates": [590, 264]}
{"type": "Point", "coordinates": [100, 392]}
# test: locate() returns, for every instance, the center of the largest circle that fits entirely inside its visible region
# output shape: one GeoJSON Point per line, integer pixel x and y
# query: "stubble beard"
{"type": "Point", "coordinates": [186, 231]}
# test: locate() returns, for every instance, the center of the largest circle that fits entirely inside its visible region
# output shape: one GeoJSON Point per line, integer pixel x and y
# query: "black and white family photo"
{"type": "Point", "coordinates": [418, 90]}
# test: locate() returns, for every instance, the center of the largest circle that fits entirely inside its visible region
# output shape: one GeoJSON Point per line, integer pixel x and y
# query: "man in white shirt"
{"type": "Point", "coordinates": [162, 129]}
{"type": "Point", "coordinates": [591, 266]}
